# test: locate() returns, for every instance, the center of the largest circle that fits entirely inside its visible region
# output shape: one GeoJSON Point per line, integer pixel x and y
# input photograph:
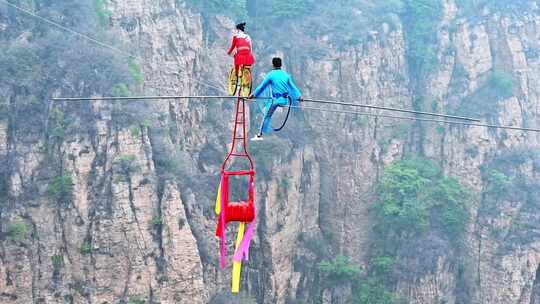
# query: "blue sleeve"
{"type": "Point", "coordinates": [262, 86]}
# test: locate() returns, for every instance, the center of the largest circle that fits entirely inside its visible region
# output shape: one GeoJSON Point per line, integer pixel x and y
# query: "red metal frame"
{"type": "Point", "coordinates": [240, 110]}
{"type": "Point", "coordinates": [233, 152]}
{"type": "Point", "coordinates": [243, 211]}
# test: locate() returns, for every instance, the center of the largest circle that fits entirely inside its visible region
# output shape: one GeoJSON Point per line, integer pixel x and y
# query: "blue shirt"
{"type": "Point", "coordinates": [281, 83]}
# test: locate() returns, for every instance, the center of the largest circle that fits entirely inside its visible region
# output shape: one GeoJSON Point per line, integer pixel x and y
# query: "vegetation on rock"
{"type": "Point", "coordinates": [18, 230]}
{"type": "Point", "coordinates": [339, 270]}
{"type": "Point", "coordinates": [414, 195]}
{"type": "Point", "coordinates": [61, 189]}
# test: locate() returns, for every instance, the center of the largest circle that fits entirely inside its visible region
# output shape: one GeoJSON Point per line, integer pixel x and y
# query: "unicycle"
{"type": "Point", "coordinates": [271, 111]}
{"type": "Point", "coordinates": [240, 81]}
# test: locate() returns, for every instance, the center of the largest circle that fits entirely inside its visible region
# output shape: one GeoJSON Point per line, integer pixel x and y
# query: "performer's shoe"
{"type": "Point", "coordinates": [257, 137]}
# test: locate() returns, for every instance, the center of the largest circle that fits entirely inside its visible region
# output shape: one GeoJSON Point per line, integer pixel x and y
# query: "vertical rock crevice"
{"type": "Point", "coordinates": [535, 294]}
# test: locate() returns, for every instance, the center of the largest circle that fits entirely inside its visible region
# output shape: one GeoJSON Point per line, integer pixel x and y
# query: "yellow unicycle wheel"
{"type": "Point", "coordinates": [245, 88]}
{"type": "Point", "coordinates": [232, 82]}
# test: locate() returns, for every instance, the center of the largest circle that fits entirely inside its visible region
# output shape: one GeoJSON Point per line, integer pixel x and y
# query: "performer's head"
{"type": "Point", "coordinates": [276, 62]}
{"type": "Point", "coordinates": [241, 26]}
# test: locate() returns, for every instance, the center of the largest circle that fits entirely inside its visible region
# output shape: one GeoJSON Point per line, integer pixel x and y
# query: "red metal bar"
{"type": "Point", "coordinates": [240, 172]}
{"type": "Point", "coordinates": [239, 121]}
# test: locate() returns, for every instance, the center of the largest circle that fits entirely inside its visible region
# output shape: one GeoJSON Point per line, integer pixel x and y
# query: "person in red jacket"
{"type": "Point", "coordinates": [241, 48]}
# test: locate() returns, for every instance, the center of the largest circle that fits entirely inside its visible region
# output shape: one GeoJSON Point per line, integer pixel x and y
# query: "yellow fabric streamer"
{"type": "Point", "coordinates": [218, 199]}
{"type": "Point", "coordinates": [237, 266]}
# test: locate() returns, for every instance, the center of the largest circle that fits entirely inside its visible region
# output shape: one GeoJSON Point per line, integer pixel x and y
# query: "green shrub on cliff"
{"type": "Point", "coordinates": [414, 195]}
{"type": "Point", "coordinates": [372, 291]}
{"type": "Point", "coordinates": [136, 300]}
{"type": "Point", "coordinates": [127, 164]}
{"type": "Point", "coordinates": [502, 83]}
{"type": "Point", "coordinates": [17, 231]}
{"type": "Point", "coordinates": [421, 19]}
{"type": "Point", "coordinates": [339, 270]}
{"type": "Point", "coordinates": [61, 188]}
{"type": "Point", "coordinates": [102, 13]}
{"type": "Point", "coordinates": [57, 262]}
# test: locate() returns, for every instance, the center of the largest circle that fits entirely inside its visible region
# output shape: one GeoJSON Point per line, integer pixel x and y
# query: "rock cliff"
{"type": "Point", "coordinates": [120, 210]}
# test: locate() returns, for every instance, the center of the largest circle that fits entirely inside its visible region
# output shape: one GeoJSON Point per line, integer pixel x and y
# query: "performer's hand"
{"type": "Point", "coordinates": [250, 96]}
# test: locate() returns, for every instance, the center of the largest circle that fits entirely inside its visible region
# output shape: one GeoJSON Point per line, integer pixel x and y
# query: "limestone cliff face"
{"type": "Point", "coordinates": [140, 222]}
{"type": "Point", "coordinates": [500, 42]}
{"type": "Point", "coordinates": [124, 236]}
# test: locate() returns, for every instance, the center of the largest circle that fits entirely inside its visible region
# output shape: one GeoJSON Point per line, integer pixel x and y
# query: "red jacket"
{"type": "Point", "coordinates": [242, 43]}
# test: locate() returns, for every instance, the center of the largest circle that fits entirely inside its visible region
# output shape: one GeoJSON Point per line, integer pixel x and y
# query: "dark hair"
{"type": "Point", "coordinates": [276, 62]}
{"type": "Point", "coordinates": [241, 26]}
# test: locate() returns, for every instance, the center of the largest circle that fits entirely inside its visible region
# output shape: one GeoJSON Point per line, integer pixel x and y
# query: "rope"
{"type": "Point", "coordinates": [287, 116]}
{"type": "Point", "coordinates": [144, 97]}
{"type": "Point", "coordinates": [129, 55]}
{"type": "Point", "coordinates": [111, 98]}
{"type": "Point", "coordinates": [307, 100]}
{"type": "Point", "coordinates": [389, 109]}
{"type": "Point", "coordinates": [422, 119]}
{"type": "Point", "coordinates": [303, 107]}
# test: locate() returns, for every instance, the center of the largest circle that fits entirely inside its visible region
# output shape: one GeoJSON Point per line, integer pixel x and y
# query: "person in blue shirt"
{"type": "Point", "coordinates": [283, 88]}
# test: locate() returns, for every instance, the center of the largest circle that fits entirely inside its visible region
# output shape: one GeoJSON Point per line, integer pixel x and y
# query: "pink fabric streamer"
{"type": "Point", "coordinates": [223, 257]}
{"type": "Point", "coordinates": [243, 249]}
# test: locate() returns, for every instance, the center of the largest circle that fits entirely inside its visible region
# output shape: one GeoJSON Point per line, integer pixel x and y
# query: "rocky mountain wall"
{"type": "Point", "coordinates": [139, 223]}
